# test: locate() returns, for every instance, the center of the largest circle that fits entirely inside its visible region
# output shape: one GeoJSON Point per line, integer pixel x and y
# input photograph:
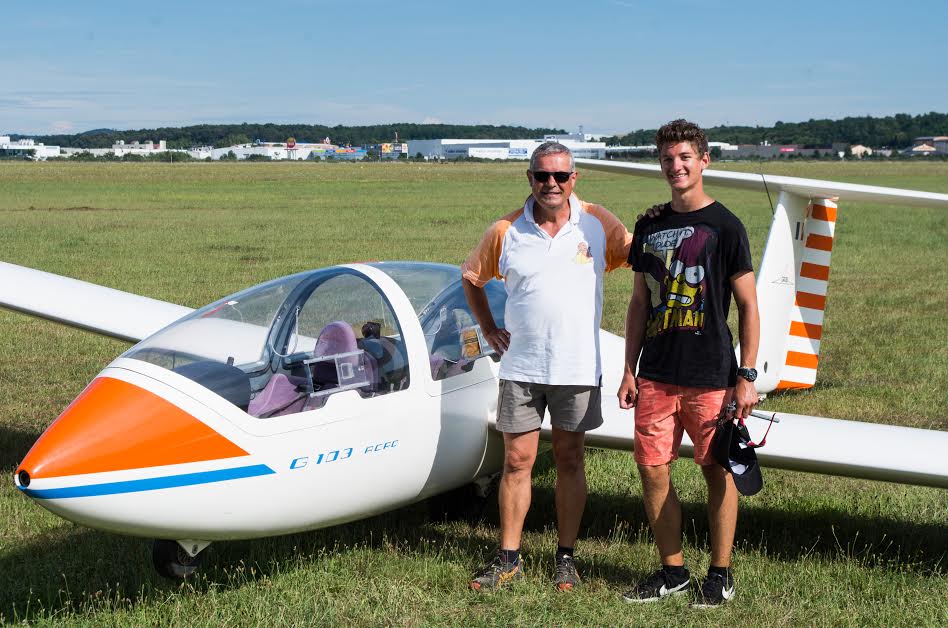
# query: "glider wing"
{"type": "Point", "coordinates": [85, 305]}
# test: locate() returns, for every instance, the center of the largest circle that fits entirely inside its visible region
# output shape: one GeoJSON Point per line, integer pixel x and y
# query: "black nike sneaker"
{"type": "Point", "coordinates": [659, 585]}
{"type": "Point", "coordinates": [715, 591]}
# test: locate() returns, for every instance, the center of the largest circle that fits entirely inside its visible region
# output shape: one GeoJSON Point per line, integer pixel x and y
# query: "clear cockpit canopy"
{"type": "Point", "coordinates": [288, 345]}
{"type": "Point", "coordinates": [452, 335]}
{"type": "Point", "coordinates": [233, 330]}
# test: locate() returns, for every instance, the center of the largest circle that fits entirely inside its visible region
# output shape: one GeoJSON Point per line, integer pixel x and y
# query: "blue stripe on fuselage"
{"type": "Point", "coordinates": [150, 484]}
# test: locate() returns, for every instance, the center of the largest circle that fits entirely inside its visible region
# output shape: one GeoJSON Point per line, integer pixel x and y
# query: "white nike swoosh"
{"type": "Point", "coordinates": [666, 591]}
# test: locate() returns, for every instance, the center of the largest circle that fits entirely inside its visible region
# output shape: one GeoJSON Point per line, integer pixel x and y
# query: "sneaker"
{"type": "Point", "coordinates": [567, 575]}
{"type": "Point", "coordinates": [657, 586]}
{"type": "Point", "coordinates": [715, 591]}
{"type": "Point", "coordinates": [497, 574]}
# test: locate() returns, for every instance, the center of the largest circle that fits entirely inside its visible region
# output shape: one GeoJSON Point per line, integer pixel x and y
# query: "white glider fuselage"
{"type": "Point", "coordinates": [148, 451]}
{"type": "Point", "coordinates": [298, 473]}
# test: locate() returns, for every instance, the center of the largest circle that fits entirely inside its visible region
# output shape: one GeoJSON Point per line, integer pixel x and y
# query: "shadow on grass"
{"type": "Point", "coordinates": [834, 533]}
{"type": "Point", "coordinates": [72, 570]}
{"type": "Point", "coordinates": [776, 533]}
{"type": "Point", "coordinates": [14, 445]}
{"type": "Point", "coordinates": [68, 571]}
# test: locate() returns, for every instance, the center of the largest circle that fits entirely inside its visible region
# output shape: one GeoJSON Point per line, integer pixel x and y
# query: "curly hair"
{"type": "Point", "coordinates": [681, 130]}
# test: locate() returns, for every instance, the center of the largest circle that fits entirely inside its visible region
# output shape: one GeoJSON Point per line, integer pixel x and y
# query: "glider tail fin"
{"type": "Point", "coordinates": [791, 291]}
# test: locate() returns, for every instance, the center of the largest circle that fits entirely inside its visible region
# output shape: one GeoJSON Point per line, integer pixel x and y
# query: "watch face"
{"type": "Point", "coordinates": [748, 374]}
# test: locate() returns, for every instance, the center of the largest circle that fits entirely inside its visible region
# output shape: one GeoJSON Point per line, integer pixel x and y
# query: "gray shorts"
{"type": "Point", "coordinates": [521, 406]}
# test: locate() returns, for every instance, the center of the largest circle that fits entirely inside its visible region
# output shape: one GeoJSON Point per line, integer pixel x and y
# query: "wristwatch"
{"type": "Point", "coordinates": [747, 373]}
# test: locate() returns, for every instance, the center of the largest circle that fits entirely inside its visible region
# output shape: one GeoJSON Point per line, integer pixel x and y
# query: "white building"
{"type": "Point", "coordinates": [502, 149]}
{"type": "Point", "coordinates": [202, 152]}
{"type": "Point", "coordinates": [722, 145]}
{"type": "Point", "coordinates": [144, 149]}
{"type": "Point", "coordinates": [278, 151]}
{"type": "Point", "coordinates": [120, 149]}
{"type": "Point", "coordinates": [271, 150]}
{"type": "Point", "coordinates": [28, 149]}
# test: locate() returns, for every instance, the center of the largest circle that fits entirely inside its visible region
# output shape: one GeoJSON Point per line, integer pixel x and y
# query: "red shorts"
{"type": "Point", "coordinates": [664, 411]}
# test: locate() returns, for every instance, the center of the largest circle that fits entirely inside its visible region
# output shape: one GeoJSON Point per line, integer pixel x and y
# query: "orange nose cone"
{"type": "Point", "coordinates": [114, 425]}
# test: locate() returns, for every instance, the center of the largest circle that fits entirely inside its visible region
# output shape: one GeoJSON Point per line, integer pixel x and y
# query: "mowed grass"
{"type": "Point", "coordinates": [810, 549]}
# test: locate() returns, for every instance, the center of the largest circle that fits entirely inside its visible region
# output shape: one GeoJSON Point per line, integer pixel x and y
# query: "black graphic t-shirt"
{"type": "Point", "coordinates": [688, 260]}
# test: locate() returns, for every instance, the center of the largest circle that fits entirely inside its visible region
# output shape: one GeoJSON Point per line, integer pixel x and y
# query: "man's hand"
{"type": "Point", "coordinates": [628, 392]}
{"type": "Point", "coordinates": [498, 339]}
{"type": "Point", "coordinates": [651, 212]}
{"type": "Point", "coordinates": [745, 396]}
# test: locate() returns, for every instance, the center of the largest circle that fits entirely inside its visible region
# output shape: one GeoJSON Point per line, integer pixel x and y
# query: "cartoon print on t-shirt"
{"type": "Point", "coordinates": [583, 256]}
{"type": "Point", "coordinates": [677, 284]}
{"type": "Point", "coordinates": [683, 284]}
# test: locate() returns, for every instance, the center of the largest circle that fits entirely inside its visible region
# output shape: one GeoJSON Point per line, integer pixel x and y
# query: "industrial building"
{"type": "Point", "coordinates": [929, 145]}
{"type": "Point", "coordinates": [269, 150]}
{"type": "Point", "coordinates": [280, 151]}
{"type": "Point", "coordinates": [502, 149]}
{"type": "Point", "coordinates": [27, 149]}
{"type": "Point", "coordinates": [121, 148]}
{"type": "Point", "coordinates": [767, 150]}
{"type": "Point", "coordinates": [393, 150]}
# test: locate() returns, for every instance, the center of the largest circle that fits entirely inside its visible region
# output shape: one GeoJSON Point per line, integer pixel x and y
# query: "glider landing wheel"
{"type": "Point", "coordinates": [172, 562]}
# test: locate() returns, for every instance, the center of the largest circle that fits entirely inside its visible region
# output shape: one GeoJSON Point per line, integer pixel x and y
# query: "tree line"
{"type": "Point", "coordinates": [896, 131]}
{"type": "Point", "coordinates": [231, 134]}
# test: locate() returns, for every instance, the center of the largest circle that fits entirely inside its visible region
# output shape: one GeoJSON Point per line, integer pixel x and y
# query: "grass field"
{"type": "Point", "coordinates": [810, 549]}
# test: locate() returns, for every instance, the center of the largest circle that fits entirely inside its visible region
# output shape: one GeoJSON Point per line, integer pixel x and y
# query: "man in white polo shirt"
{"type": "Point", "coordinates": [552, 254]}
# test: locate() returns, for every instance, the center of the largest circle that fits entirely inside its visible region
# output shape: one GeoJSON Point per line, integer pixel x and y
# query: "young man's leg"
{"type": "Point", "coordinates": [664, 516]}
{"type": "Point", "coordinates": [663, 511]}
{"type": "Point", "coordinates": [722, 513]}
{"type": "Point", "coordinates": [700, 411]}
{"type": "Point", "coordinates": [701, 408]}
{"type": "Point", "coordinates": [657, 438]}
{"type": "Point", "coordinates": [718, 587]}
{"type": "Point", "coordinates": [658, 435]}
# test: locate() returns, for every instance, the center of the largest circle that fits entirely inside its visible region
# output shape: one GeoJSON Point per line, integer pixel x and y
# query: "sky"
{"type": "Point", "coordinates": [611, 66]}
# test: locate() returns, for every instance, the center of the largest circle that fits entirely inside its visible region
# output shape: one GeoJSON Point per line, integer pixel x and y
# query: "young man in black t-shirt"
{"type": "Point", "coordinates": [687, 261]}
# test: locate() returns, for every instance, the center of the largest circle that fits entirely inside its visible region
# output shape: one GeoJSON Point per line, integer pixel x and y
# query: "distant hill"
{"type": "Point", "coordinates": [230, 134]}
{"type": "Point", "coordinates": [892, 131]}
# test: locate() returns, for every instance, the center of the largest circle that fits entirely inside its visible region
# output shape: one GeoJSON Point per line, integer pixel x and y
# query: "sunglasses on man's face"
{"type": "Point", "coordinates": [541, 176]}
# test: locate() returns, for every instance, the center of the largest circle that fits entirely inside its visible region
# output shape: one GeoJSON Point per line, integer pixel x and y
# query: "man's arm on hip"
{"type": "Point", "coordinates": [497, 338]}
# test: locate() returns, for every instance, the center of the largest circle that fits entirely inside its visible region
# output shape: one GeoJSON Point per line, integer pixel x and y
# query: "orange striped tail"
{"type": "Point", "coordinates": [806, 315]}
{"type": "Point", "coordinates": [791, 291]}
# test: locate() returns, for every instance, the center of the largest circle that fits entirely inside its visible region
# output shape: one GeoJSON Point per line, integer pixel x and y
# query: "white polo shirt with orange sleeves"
{"type": "Point", "coordinates": [554, 290]}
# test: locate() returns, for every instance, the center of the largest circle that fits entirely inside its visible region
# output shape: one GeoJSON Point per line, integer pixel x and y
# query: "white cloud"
{"type": "Point", "coordinates": [431, 120]}
{"type": "Point", "coordinates": [62, 126]}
